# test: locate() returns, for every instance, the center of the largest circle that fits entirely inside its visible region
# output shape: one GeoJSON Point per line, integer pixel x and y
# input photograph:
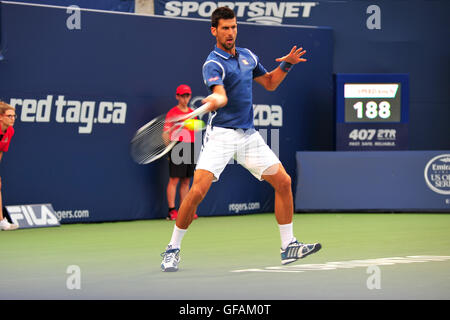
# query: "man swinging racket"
{"type": "Point", "coordinates": [228, 72]}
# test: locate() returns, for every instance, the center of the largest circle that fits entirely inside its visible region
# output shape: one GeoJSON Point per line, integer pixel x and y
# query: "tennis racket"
{"type": "Point", "coordinates": [149, 143]}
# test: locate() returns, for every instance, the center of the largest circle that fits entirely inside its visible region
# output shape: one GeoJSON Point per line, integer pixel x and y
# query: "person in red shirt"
{"type": "Point", "coordinates": [179, 172]}
{"type": "Point", "coordinates": [7, 118]}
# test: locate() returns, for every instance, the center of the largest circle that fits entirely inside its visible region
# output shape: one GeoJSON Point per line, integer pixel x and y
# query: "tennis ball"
{"type": "Point", "coordinates": [194, 124]}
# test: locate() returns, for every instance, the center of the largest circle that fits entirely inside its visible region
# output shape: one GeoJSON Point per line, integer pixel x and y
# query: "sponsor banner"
{"type": "Point", "coordinates": [265, 12]}
{"type": "Point", "coordinates": [68, 216]}
{"type": "Point", "coordinates": [437, 174]}
{"type": "Point", "coordinates": [247, 207]}
{"type": "Point", "coordinates": [379, 181]}
{"type": "Point", "coordinates": [84, 113]}
{"type": "Point", "coordinates": [371, 137]}
{"type": "Point", "coordinates": [33, 215]}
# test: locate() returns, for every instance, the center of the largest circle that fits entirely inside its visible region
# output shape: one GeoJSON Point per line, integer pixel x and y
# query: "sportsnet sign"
{"type": "Point", "coordinates": [33, 216]}
{"type": "Point", "coordinates": [269, 12]}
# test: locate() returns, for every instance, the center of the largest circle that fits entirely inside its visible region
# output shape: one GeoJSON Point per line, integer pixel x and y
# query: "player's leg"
{"type": "Point", "coordinates": [262, 162]}
{"type": "Point", "coordinates": [291, 249]}
{"type": "Point", "coordinates": [218, 149]}
{"type": "Point", "coordinates": [184, 188]}
{"type": "Point", "coordinates": [200, 186]}
{"type": "Point", "coordinates": [255, 155]}
{"type": "Point", "coordinates": [278, 178]}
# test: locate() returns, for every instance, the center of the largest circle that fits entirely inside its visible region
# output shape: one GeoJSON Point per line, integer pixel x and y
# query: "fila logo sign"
{"type": "Point", "coordinates": [33, 215]}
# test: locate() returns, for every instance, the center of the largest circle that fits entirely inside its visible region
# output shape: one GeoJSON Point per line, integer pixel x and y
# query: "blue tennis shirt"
{"type": "Point", "coordinates": [236, 74]}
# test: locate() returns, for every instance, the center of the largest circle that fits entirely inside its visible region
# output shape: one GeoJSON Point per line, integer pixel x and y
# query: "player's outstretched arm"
{"type": "Point", "coordinates": [217, 99]}
{"type": "Point", "coordinates": [271, 80]}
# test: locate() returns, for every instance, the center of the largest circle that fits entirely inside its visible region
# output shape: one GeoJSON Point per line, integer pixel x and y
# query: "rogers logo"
{"type": "Point", "coordinates": [437, 174]}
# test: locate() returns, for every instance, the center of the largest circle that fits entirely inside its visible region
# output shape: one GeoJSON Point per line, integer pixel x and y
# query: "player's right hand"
{"type": "Point", "coordinates": [217, 99]}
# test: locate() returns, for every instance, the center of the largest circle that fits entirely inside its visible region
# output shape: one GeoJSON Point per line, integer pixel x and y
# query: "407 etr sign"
{"type": "Point", "coordinates": [372, 137]}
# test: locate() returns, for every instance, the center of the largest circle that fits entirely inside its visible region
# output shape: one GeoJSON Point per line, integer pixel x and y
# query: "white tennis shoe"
{"type": "Point", "coordinates": [297, 250]}
{"type": "Point", "coordinates": [171, 259]}
{"type": "Point", "coordinates": [6, 226]}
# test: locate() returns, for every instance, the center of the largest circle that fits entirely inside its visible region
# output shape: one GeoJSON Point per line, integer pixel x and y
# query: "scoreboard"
{"type": "Point", "coordinates": [372, 111]}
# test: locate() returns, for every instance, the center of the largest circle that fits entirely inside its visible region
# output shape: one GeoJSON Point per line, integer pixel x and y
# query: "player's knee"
{"type": "Point", "coordinates": [198, 193]}
{"type": "Point", "coordinates": [284, 182]}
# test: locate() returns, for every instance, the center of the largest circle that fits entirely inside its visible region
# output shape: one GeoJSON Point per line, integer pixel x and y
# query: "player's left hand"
{"type": "Point", "coordinates": [293, 57]}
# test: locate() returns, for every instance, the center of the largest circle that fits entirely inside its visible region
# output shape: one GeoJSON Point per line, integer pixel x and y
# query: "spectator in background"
{"type": "Point", "coordinates": [185, 171]}
{"type": "Point", "coordinates": [7, 118]}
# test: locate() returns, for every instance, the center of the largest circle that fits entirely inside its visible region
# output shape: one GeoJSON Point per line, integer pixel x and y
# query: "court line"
{"type": "Point", "coordinates": [347, 264]}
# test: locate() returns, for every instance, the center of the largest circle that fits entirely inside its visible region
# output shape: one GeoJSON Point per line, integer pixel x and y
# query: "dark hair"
{"type": "Point", "coordinates": [221, 13]}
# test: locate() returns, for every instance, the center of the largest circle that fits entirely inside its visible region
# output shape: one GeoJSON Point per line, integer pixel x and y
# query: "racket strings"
{"type": "Point", "coordinates": [148, 143]}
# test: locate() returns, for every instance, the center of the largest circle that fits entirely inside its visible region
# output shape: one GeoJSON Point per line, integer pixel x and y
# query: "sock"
{"type": "Point", "coordinates": [287, 234]}
{"type": "Point", "coordinates": [177, 236]}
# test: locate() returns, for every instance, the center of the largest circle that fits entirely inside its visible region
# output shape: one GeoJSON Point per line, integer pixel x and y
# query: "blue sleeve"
{"type": "Point", "coordinates": [213, 73]}
{"type": "Point", "coordinates": [259, 70]}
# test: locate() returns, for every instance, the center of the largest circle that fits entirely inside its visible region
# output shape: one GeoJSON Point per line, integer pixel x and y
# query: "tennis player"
{"type": "Point", "coordinates": [179, 172]}
{"type": "Point", "coordinates": [228, 73]}
{"type": "Point", "coordinates": [7, 118]}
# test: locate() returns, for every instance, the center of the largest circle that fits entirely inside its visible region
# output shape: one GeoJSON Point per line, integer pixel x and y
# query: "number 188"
{"type": "Point", "coordinates": [373, 110]}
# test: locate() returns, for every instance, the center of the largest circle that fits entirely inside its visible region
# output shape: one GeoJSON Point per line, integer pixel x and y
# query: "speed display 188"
{"type": "Point", "coordinates": [377, 102]}
{"type": "Point", "coordinates": [372, 112]}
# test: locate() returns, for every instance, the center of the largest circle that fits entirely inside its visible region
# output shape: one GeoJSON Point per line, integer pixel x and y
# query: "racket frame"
{"type": "Point", "coordinates": [176, 122]}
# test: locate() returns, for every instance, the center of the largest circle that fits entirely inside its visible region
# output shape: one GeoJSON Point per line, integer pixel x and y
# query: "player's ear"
{"type": "Point", "coordinates": [214, 31]}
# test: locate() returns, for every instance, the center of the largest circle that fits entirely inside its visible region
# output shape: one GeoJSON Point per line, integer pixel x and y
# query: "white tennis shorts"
{"type": "Point", "coordinates": [222, 146]}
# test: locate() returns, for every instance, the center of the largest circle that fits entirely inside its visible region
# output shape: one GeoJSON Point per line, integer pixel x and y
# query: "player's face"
{"type": "Point", "coordinates": [8, 119]}
{"type": "Point", "coordinates": [226, 33]}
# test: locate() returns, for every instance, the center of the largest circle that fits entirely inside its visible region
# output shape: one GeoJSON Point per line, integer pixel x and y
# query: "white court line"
{"type": "Point", "coordinates": [347, 264]}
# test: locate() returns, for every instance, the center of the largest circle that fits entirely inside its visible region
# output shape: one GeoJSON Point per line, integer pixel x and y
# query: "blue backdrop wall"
{"type": "Point", "coordinates": [82, 87]}
{"type": "Point", "coordinates": [382, 36]}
